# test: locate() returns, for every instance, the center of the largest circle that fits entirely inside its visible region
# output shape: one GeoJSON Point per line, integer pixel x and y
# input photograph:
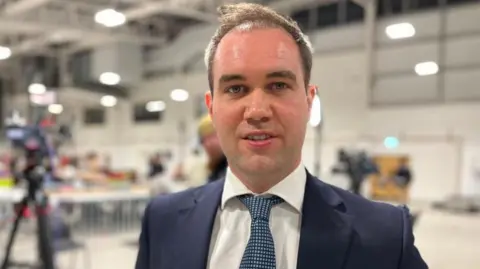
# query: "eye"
{"type": "Point", "coordinates": [278, 86]}
{"type": "Point", "coordinates": [235, 89]}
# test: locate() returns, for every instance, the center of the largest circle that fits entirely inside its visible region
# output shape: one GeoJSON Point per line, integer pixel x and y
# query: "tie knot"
{"type": "Point", "coordinates": [260, 207]}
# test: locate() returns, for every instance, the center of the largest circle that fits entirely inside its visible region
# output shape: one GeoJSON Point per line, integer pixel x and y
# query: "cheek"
{"type": "Point", "coordinates": [293, 112]}
{"type": "Point", "coordinates": [226, 118]}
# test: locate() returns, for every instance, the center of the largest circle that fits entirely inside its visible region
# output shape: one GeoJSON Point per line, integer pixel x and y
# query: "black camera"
{"type": "Point", "coordinates": [34, 147]}
{"type": "Point", "coordinates": [356, 165]}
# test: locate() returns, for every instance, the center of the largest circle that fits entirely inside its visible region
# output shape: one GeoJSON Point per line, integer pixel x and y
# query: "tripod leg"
{"type": "Point", "coordinates": [18, 218]}
{"type": "Point", "coordinates": [44, 234]}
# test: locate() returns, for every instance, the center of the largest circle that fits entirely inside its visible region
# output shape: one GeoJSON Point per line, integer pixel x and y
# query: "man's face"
{"type": "Point", "coordinates": [260, 107]}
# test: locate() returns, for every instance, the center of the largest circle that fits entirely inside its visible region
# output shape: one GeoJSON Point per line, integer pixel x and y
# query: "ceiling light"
{"type": "Point", "coordinates": [179, 95]}
{"type": "Point", "coordinates": [5, 53]}
{"type": "Point", "coordinates": [155, 106]}
{"type": "Point", "coordinates": [316, 112]}
{"type": "Point", "coordinates": [37, 88]}
{"type": "Point", "coordinates": [110, 18]}
{"type": "Point", "coordinates": [108, 101]}
{"type": "Point", "coordinates": [400, 30]}
{"type": "Point", "coordinates": [109, 78]}
{"type": "Point", "coordinates": [426, 68]}
{"type": "Point", "coordinates": [55, 108]}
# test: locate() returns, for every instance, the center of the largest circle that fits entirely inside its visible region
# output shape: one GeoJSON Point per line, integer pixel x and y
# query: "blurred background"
{"type": "Point", "coordinates": [120, 83]}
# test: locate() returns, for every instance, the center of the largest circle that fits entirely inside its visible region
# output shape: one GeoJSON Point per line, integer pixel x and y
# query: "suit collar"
{"type": "Point", "coordinates": [326, 230]}
{"type": "Point", "coordinates": [194, 226]}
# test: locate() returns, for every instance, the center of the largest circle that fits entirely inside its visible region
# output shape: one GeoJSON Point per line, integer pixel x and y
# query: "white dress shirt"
{"type": "Point", "coordinates": [231, 229]}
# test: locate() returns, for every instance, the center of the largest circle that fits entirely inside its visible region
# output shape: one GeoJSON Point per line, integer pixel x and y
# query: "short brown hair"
{"type": "Point", "coordinates": [258, 16]}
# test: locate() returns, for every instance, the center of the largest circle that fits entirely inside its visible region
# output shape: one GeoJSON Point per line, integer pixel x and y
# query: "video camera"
{"type": "Point", "coordinates": [357, 165]}
{"type": "Point", "coordinates": [35, 143]}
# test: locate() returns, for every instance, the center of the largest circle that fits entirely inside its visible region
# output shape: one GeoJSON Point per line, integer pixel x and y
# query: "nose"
{"type": "Point", "coordinates": [258, 108]}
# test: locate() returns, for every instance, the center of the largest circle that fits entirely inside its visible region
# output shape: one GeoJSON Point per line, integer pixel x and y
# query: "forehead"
{"type": "Point", "coordinates": [257, 50]}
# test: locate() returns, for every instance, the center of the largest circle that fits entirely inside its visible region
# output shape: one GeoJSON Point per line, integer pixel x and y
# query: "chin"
{"type": "Point", "coordinates": [260, 163]}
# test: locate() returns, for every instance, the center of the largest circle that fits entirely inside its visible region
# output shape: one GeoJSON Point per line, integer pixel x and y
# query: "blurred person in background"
{"type": "Point", "coordinates": [259, 66]}
{"type": "Point", "coordinates": [155, 166]}
{"type": "Point", "coordinates": [67, 169]}
{"type": "Point", "coordinates": [196, 170]}
{"type": "Point", "coordinates": [403, 175]}
{"type": "Point", "coordinates": [217, 162]}
{"type": "Point", "coordinates": [92, 171]}
{"type": "Point", "coordinates": [403, 178]}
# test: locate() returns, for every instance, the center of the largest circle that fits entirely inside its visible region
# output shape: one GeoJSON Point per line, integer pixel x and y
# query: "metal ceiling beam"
{"type": "Point", "coordinates": [148, 9]}
{"type": "Point", "coordinates": [22, 6]}
{"type": "Point", "coordinates": [290, 6]}
{"type": "Point", "coordinates": [35, 45]}
{"type": "Point", "coordinates": [76, 32]}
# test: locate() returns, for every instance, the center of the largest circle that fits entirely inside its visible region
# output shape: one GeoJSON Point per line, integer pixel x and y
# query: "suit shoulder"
{"type": "Point", "coordinates": [165, 203]}
{"type": "Point", "coordinates": [378, 223]}
{"type": "Point", "coordinates": [364, 209]}
{"type": "Point", "coordinates": [173, 202]}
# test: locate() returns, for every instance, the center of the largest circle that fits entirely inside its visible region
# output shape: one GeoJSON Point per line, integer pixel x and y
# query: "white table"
{"type": "Point", "coordinates": [79, 196]}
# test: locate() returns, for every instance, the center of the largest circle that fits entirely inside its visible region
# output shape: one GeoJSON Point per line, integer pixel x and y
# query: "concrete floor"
{"type": "Point", "coordinates": [446, 241]}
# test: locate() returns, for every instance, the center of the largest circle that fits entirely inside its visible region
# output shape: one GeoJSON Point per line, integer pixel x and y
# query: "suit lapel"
{"type": "Point", "coordinates": [326, 231]}
{"type": "Point", "coordinates": [194, 228]}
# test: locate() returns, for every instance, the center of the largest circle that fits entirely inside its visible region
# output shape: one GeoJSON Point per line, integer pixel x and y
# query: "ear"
{"type": "Point", "coordinates": [209, 103]}
{"type": "Point", "coordinates": [311, 92]}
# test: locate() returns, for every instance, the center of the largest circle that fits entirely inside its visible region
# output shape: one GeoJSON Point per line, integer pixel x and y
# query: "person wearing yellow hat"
{"type": "Point", "coordinates": [217, 162]}
{"type": "Point", "coordinates": [196, 171]}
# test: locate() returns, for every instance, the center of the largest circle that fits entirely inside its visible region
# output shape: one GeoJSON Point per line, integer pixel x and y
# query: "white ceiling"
{"type": "Point", "coordinates": [31, 26]}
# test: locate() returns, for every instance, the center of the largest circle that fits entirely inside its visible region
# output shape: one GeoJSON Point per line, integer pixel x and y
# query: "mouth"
{"type": "Point", "coordinates": [258, 137]}
{"type": "Point", "coordinates": [259, 140]}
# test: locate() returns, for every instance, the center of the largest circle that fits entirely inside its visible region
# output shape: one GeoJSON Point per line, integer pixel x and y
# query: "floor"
{"type": "Point", "coordinates": [446, 241]}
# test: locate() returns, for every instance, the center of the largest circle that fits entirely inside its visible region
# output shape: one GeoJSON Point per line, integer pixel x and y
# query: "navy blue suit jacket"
{"type": "Point", "coordinates": [339, 230]}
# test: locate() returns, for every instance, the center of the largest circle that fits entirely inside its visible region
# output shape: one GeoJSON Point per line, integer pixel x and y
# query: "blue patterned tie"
{"type": "Point", "coordinates": [260, 250]}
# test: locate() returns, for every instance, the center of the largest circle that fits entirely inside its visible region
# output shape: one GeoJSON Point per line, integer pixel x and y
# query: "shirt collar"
{"type": "Point", "coordinates": [291, 189]}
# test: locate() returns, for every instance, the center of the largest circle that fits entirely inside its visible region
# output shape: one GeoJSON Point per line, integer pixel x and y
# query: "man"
{"type": "Point", "coordinates": [217, 162]}
{"type": "Point", "coordinates": [269, 212]}
{"type": "Point", "coordinates": [155, 165]}
{"type": "Point", "coordinates": [197, 170]}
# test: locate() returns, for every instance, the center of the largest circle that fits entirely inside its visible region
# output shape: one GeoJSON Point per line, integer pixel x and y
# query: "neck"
{"type": "Point", "coordinates": [259, 182]}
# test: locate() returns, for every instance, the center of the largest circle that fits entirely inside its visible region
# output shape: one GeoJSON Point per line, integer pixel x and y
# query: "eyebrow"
{"type": "Point", "coordinates": [231, 77]}
{"type": "Point", "coordinates": [276, 74]}
{"type": "Point", "coordinates": [282, 74]}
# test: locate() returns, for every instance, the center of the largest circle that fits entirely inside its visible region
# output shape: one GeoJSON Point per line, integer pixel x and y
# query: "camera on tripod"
{"type": "Point", "coordinates": [356, 165]}
{"type": "Point", "coordinates": [36, 145]}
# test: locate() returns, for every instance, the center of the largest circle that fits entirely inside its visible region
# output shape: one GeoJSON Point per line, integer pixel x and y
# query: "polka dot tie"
{"type": "Point", "coordinates": [260, 250]}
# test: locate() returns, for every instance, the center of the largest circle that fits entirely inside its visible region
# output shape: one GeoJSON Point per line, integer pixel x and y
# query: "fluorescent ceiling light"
{"type": "Point", "coordinates": [108, 101]}
{"type": "Point", "coordinates": [109, 78]}
{"type": "Point", "coordinates": [316, 112]}
{"type": "Point", "coordinates": [155, 106]}
{"type": "Point", "coordinates": [55, 108]}
{"type": "Point", "coordinates": [179, 95]}
{"type": "Point", "coordinates": [110, 18]}
{"type": "Point", "coordinates": [426, 68]}
{"type": "Point", "coordinates": [5, 53]}
{"type": "Point", "coordinates": [400, 30]}
{"type": "Point", "coordinates": [37, 88]}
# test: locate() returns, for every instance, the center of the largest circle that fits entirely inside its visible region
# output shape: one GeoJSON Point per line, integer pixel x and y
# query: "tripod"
{"type": "Point", "coordinates": [35, 196]}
